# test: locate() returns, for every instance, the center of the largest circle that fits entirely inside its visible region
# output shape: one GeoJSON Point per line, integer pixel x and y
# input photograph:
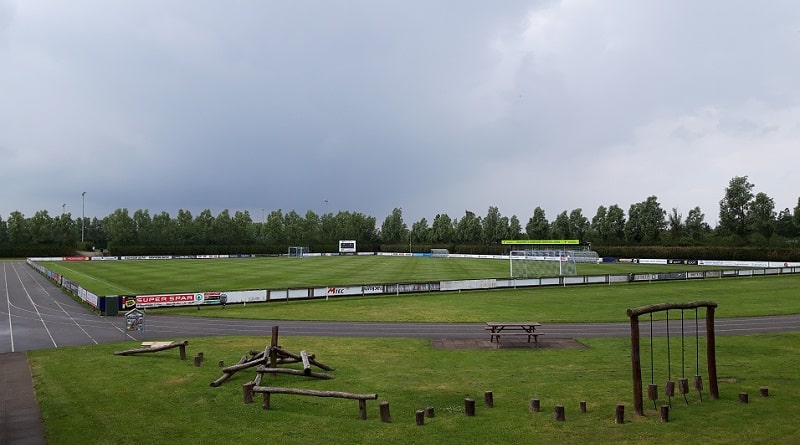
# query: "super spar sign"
{"type": "Point", "coordinates": [168, 300]}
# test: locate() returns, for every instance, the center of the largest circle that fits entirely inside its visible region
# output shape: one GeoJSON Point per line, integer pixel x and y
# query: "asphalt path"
{"type": "Point", "coordinates": [36, 314]}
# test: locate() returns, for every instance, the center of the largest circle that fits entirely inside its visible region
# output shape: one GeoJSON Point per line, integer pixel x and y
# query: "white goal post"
{"type": "Point", "coordinates": [532, 264]}
{"type": "Point", "coordinates": [298, 251]}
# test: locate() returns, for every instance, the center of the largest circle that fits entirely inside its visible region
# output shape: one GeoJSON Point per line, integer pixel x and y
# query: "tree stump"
{"type": "Point", "coordinates": [583, 406]}
{"type": "Point", "coordinates": [535, 405]}
{"type": "Point", "coordinates": [429, 412]}
{"type": "Point", "coordinates": [764, 391]}
{"type": "Point", "coordinates": [469, 407]}
{"type": "Point", "coordinates": [198, 360]}
{"type": "Point", "coordinates": [247, 392]}
{"type": "Point", "coordinates": [619, 414]}
{"type": "Point", "coordinates": [488, 398]}
{"type": "Point", "coordinates": [560, 415]}
{"type": "Point", "coordinates": [384, 410]}
{"type": "Point", "coordinates": [665, 413]}
{"type": "Point", "coordinates": [744, 397]}
{"type": "Point", "coordinates": [420, 417]}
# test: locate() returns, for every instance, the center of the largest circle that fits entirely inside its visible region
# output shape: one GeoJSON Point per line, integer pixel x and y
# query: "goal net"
{"type": "Point", "coordinates": [536, 264]}
{"type": "Point", "coordinates": [440, 253]}
{"type": "Point", "coordinates": [298, 251]}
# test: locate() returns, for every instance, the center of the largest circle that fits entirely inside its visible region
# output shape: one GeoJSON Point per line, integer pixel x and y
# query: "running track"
{"type": "Point", "coordinates": [35, 314]}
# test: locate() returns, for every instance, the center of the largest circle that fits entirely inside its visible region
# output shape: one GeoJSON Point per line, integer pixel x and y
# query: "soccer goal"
{"type": "Point", "coordinates": [440, 253]}
{"type": "Point", "coordinates": [298, 251]}
{"type": "Point", "coordinates": [532, 264]}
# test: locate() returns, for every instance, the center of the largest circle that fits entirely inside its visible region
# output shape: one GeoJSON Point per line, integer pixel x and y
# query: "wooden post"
{"type": "Point", "coordinates": [583, 406]}
{"type": "Point", "coordinates": [273, 348]}
{"type": "Point", "coordinates": [560, 416]}
{"type": "Point", "coordinates": [384, 410]}
{"type": "Point", "coordinates": [535, 405]}
{"type": "Point", "coordinates": [362, 409]}
{"type": "Point", "coordinates": [221, 363]}
{"type": "Point", "coordinates": [247, 392]}
{"type": "Point", "coordinates": [744, 397]}
{"type": "Point", "coordinates": [265, 402]}
{"type": "Point", "coordinates": [665, 413]}
{"type": "Point", "coordinates": [198, 360]}
{"type": "Point", "coordinates": [183, 350]}
{"type": "Point", "coordinates": [469, 407]}
{"type": "Point", "coordinates": [619, 414]}
{"type": "Point", "coordinates": [429, 412]}
{"type": "Point", "coordinates": [200, 354]}
{"type": "Point", "coordinates": [764, 391]}
{"type": "Point", "coordinates": [420, 417]}
{"type": "Point", "coordinates": [488, 398]}
{"type": "Point", "coordinates": [711, 354]}
{"type": "Point", "coordinates": [636, 367]}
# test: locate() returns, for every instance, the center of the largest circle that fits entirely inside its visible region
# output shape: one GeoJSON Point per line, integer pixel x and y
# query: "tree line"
{"type": "Point", "coordinates": [745, 219]}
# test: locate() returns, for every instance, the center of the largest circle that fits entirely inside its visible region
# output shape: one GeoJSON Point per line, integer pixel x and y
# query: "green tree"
{"type": "Point", "coordinates": [734, 207]}
{"type": "Point", "coordinates": [275, 230]}
{"type": "Point", "coordinates": [468, 228]}
{"type": "Point", "coordinates": [442, 229]}
{"type": "Point", "coordinates": [120, 228]}
{"type": "Point", "coordinates": [561, 229]}
{"type": "Point", "coordinates": [393, 229]}
{"type": "Point", "coordinates": [675, 224]}
{"type": "Point", "coordinates": [578, 225]}
{"type": "Point", "coordinates": [615, 224]}
{"type": "Point", "coordinates": [164, 230]}
{"type": "Point", "coordinates": [493, 229]}
{"type": "Point", "coordinates": [514, 228]}
{"type": "Point", "coordinates": [761, 215]}
{"type": "Point", "coordinates": [143, 227]}
{"type": "Point", "coordinates": [185, 233]}
{"type": "Point", "coordinates": [538, 227]}
{"type": "Point", "coordinates": [695, 224]}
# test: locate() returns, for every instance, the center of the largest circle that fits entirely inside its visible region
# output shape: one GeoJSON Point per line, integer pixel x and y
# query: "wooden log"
{"type": "Point", "coordinates": [202, 357]}
{"type": "Point", "coordinates": [652, 392]}
{"type": "Point", "coordinates": [226, 375]}
{"type": "Point", "coordinates": [319, 375]}
{"type": "Point", "coordinates": [244, 365]}
{"type": "Point", "coordinates": [583, 406]}
{"type": "Point", "coordinates": [635, 312]}
{"type": "Point", "coordinates": [665, 413]}
{"type": "Point", "coordinates": [313, 392]}
{"type": "Point", "coordinates": [429, 412]}
{"type": "Point", "coordinates": [306, 364]}
{"type": "Point", "coordinates": [163, 347]}
{"type": "Point", "coordinates": [488, 399]}
{"type": "Point", "coordinates": [698, 383]}
{"type": "Point", "coordinates": [198, 360]}
{"type": "Point", "coordinates": [764, 391]}
{"type": "Point", "coordinates": [536, 405]}
{"type": "Point", "coordinates": [420, 417]}
{"type": "Point", "coordinates": [619, 414]}
{"type": "Point", "coordinates": [469, 407]}
{"type": "Point", "coordinates": [384, 410]}
{"type": "Point", "coordinates": [560, 415]}
{"type": "Point", "coordinates": [744, 397]}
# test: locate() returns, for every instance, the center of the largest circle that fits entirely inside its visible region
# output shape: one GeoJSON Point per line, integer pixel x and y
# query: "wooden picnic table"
{"type": "Point", "coordinates": [499, 329]}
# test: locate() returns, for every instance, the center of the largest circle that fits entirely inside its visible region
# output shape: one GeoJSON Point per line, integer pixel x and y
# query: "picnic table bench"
{"type": "Point", "coordinates": [499, 329]}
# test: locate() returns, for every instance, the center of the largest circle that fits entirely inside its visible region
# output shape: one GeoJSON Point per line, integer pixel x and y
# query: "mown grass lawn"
{"type": "Point", "coordinates": [90, 396]}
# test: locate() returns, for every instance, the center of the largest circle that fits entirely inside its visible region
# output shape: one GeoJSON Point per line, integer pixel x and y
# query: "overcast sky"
{"type": "Point", "coordinates": [366, 106]}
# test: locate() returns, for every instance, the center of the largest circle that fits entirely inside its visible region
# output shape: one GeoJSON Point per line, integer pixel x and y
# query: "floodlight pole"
{"type": "Point", "coordinates": [83, 214]}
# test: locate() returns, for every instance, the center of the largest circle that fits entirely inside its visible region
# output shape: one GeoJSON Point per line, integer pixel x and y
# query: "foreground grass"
{"type": "Point", "coordinates": [90, 396]}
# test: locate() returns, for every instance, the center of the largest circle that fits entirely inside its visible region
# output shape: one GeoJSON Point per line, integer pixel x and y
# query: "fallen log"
{"type": "Point", "coordinates": [264, 370]}
{"type": "Point", "coordinates": [267, 391]}
{"type": "Point", "coordinates": [156, 348]}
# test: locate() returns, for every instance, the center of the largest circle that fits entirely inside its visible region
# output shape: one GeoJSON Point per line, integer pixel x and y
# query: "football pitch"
{"type": "Point", "coordinates": [137, 277]}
